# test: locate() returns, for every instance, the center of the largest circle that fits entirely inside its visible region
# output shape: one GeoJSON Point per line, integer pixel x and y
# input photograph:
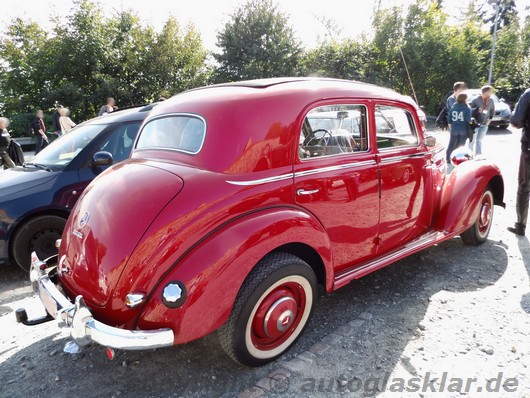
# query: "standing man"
{"type": "Point", "coordinates": [458, 88]}
{"type": "Point", "coordinates": [38, 129]}
{"type": "Point", "coordinates": [483, 109]}
{"type": "Point", "coordinates": [521, 119]}
{"type": "Point", "coordinates": [55, 121]}
{"type": "Point", "coordinates": [5, 140]}
{"type": "Point", "coordinates": [108, 108]}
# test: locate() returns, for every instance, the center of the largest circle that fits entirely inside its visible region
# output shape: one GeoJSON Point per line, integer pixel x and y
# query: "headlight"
{"type": "Point", "coordinates": [460, 155]}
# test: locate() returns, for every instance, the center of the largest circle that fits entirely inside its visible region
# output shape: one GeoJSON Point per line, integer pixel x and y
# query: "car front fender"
{"type": "Point", "coordinates": [462, 190]}
{"type": "Point", "coordinates": [213, 271]}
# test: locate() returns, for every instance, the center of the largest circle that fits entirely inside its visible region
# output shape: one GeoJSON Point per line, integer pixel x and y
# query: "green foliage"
{"type": "Point", "coordinates": [257, 42]}
{"type": "Point", "coordinates": [347, 59]}
{"type": "Point", "coordinates": [89, 58]}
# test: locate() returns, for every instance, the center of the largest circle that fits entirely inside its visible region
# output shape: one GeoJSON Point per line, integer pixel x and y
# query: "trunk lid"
{"type": "Point", "coordinates": [107, 223]}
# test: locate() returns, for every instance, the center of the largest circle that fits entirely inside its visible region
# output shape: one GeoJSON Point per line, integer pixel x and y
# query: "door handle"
{"type": "Point", "coordinates": [302, 192]}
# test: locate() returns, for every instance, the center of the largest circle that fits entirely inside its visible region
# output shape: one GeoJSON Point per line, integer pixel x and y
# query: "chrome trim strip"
{"type": "Point", "coordinates": [333, 168]}
{"type": "Point", "coordinates": [425, 240]}
{"type": "Point", "coordinates": [262, 180]}
{"type": "Point", "coordinates": [403, 157]}
{"type": "Point", "coordinates": [303, 173]}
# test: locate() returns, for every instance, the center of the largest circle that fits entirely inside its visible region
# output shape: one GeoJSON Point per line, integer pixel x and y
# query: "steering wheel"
{"type": "Point", "coordinates": [311, 137]}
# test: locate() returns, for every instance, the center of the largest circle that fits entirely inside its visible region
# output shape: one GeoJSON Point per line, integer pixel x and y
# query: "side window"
{"type": "Point", "coordinates": [334, 130]}
{"type": "Point", "coordinates": [394, 127]}
{"type": "Point", "coordinates": [121, 141]}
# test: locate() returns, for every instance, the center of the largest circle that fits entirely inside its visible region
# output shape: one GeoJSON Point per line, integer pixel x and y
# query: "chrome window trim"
{"type": "Point", "coordinates": [344, 153]}
{"type": "Point", "coordinates": [411, 119]}
{"type": "Point", "coordinates": [168, 115]}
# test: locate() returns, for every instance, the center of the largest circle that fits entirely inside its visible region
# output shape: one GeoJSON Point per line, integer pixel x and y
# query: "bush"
{"type": "Point", "coordinates": [20, 124]}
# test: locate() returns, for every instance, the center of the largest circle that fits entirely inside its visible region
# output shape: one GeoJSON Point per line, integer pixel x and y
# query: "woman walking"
{"type": "Point", "coordinates": [459, 118]}
{"type": "Point", "coordinates": [65, 122]}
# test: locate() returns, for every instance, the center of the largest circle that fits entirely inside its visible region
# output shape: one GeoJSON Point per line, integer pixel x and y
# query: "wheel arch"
{"type": "Point", "coordinates": [31, 216]}
{"type": "Point", "coordinates": [308, 254]}
{"type": "Point", "coordinates": [461, 192]}
{"type": "Point", "coordinates": [227, 258]}
{"type": "Point", "coordinates": [497, 187]}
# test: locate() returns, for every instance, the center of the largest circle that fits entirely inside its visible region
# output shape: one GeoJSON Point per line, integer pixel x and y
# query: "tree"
{"type": "Point", "coordinates": [91, 57]}
{"type": "Point", "coordinates": [507, 13]}
{"type": "Point", "coordinates": [347, 59]}
{"type": "Point", "coordinates": [177, 60]}
{"type": "Point", "coordinates": [23, 78]}
{"type": "Point", "coordinates": [257, 42]}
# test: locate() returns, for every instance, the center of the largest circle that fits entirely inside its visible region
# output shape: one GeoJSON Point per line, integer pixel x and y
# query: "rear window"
{"type": "Point", "coordinates": [184, 133]}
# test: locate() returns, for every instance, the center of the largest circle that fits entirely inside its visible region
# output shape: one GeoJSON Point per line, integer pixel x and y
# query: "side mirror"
{"type": "Point", "coordinates": [102, 158]}
{"type": "Point", "coordinates": [430, 141]}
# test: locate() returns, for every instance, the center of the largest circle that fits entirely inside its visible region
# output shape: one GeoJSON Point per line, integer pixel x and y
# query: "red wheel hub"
{"type": "Point", "coordinates": [277, 316]}
{"type": "Point", "coordinates": [485, 214]}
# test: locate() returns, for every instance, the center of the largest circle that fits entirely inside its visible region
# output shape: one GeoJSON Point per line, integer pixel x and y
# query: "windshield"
{"type": "Point", "coordinates": [183, 133]}
{"type": "Point", "coordinates": [63, 150]}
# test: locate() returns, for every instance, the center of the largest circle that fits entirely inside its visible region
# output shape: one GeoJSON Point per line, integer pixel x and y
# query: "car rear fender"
{"type": "Point", "coordinates": [461, 192]}
{"type": "Point", "coordinates": [214, 269]}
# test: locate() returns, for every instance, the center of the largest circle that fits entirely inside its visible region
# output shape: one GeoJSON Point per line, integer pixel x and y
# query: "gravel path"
{"type": "Point", "coordinates": [429, 325]}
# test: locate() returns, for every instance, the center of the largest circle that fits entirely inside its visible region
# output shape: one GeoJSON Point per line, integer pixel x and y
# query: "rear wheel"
{"type": "Point", "coordinates": [479, 231]}
{"type": "Point", "coordinates": [37, 235]}
{"type": "Point", "coordinates": [271, 310]}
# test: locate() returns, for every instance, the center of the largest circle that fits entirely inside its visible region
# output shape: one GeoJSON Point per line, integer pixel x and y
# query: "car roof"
{"type": "Point", "coordinates": [123, 115]}
{"type": "Point", "coordinates": [312, 84]}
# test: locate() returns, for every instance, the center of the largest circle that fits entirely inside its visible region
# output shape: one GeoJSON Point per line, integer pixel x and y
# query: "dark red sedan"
{"type": "Point", "coordinates": [240, 199]}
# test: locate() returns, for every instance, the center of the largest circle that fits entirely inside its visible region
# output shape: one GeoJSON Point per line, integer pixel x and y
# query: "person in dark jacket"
{"type": "Point", "coordinates": [56, 121]}
{"type": "Point", "coordinates": [483, 108]}
{"type": "Point", "coordinates": [38, 129]}
{"type": "Point", "coordinates": [5, 140]}
{"type": "Point", "coordinates": [459, 118]}
{"type": "Point", "coordinates": [521, 119]}
{"type": "Point", "coordinates": [458, 87]}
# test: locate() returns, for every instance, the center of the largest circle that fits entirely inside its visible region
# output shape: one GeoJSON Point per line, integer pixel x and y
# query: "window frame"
{"type": "Point", "coordinates": [412, 121]}
{"type": "Point", "coordinates": [360, 104]}
{"type": "Point", "coordinates": [170, 115]}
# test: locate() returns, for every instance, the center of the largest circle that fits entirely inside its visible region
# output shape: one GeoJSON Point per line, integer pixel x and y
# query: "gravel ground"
{"type": "Point", "coordinates": [429, 325]}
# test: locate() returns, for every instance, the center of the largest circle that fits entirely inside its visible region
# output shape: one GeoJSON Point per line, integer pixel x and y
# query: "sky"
{"type": "Point", "coordinates": [353, 17]}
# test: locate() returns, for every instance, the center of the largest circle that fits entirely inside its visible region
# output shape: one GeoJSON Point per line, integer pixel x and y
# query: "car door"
{"type": "Point", "coordinates": [404, 165]}
{"type": "Point", "coordinates": [336, 178]}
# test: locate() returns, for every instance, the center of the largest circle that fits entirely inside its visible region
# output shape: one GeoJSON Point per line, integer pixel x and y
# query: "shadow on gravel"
{"type": "Point", "coordinates": [393, 301]}
{"type": "Point", "coordinates": [14, 285]}
{"type": "Point", "coordinates": [524, 248]}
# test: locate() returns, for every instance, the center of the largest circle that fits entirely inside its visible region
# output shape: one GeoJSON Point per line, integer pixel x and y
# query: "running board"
{"type": "Point", "coordinates": [359, 270]}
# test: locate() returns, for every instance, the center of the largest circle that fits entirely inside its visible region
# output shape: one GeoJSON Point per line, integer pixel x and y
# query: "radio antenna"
{"type": "Point", "coordinates": [408, 75]}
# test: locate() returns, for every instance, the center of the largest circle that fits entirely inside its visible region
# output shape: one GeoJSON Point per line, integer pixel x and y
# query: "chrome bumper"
{"type": "Point", "coordinates": [84, 329]}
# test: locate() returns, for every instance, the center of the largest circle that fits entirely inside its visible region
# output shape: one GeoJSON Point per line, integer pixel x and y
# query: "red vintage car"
{"type": "Point", "coordinates": [239, 199]}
